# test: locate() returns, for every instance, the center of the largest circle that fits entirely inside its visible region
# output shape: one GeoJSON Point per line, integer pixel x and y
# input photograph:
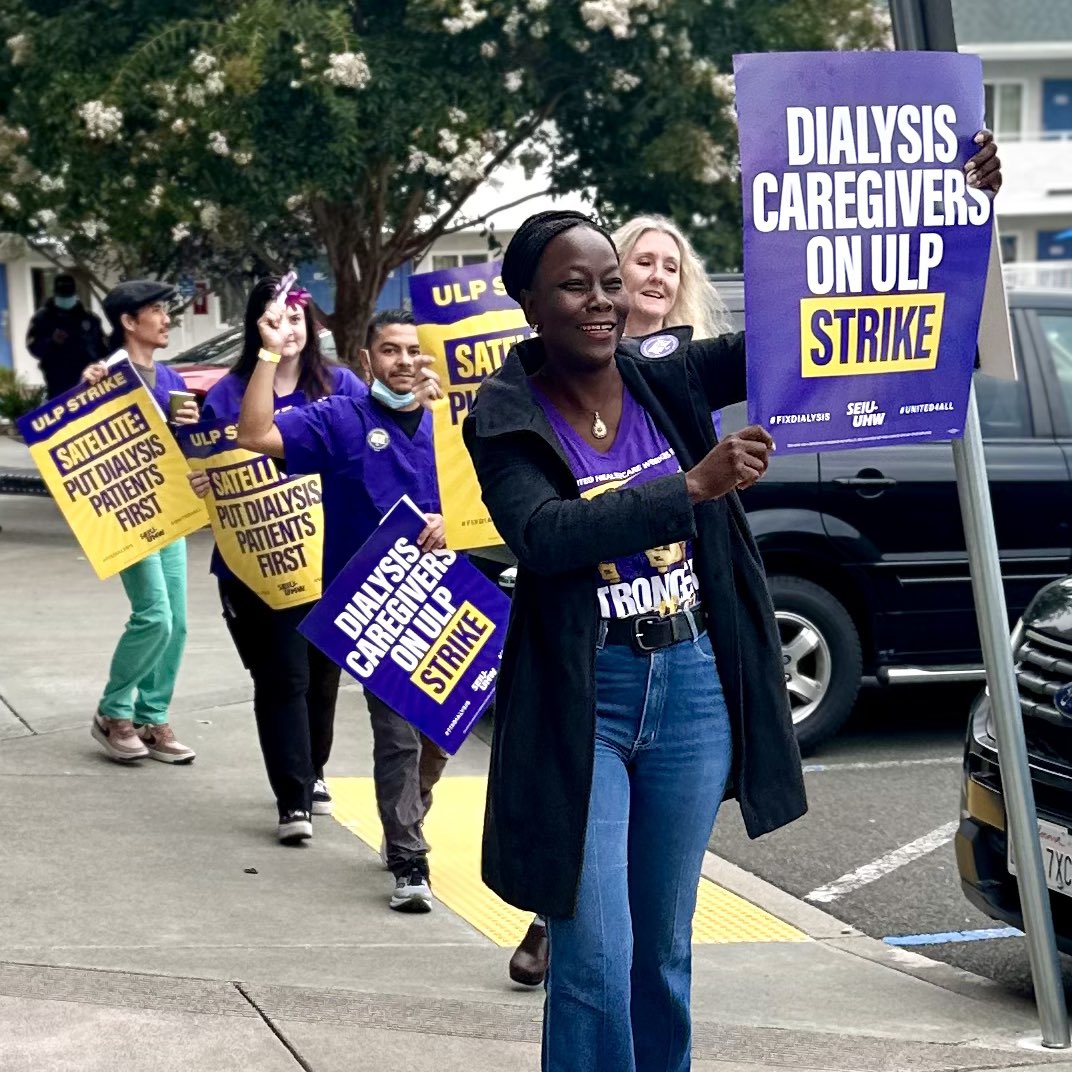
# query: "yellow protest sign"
{"type": "Point", "coordinates": [269, 528]}
{"type": "Point", "coordinates": [466, 321]}
{"type": "Point", "coordinates": [112, 465]}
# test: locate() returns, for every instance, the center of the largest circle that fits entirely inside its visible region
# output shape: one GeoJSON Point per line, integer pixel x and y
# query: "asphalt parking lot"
{"type": "Point", "coordinates": [876, 847]}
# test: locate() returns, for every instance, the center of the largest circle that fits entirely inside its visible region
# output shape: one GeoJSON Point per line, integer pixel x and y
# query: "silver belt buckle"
{"type": "Point", "coordinates": [637, 623]}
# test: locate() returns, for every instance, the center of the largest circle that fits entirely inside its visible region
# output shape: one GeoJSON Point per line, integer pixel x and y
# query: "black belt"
{"type": "Point", "coordinates": [650, 632]}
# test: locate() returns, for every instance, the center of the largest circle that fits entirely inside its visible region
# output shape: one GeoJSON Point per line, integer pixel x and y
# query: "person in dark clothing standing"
{"type": "Point", "coordinates": [65, 337]}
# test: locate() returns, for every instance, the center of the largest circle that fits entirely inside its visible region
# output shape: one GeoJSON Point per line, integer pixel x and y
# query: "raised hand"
{"type": "Point", "coordinates": [736, 463]}
{"type": "Point", "coordinates": [272, 326]}
{"type": "Point", "coordinates": [984, 169]}
{"type": "Point", "coordinates": [427, 387]}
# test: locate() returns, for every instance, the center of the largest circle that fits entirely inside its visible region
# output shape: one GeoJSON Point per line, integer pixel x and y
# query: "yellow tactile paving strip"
{"type": "Point", "coordinates": [453, 830]}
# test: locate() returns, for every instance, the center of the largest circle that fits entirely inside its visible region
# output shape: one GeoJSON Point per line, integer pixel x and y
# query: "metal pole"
{"type": "Point", "coordinates": [1020, 813]}
{"type": "Point", "coordinates": [927, 25]}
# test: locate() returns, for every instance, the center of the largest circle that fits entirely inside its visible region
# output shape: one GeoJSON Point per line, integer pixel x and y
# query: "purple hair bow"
{"type": "Point", "coordinates": [298, 296]}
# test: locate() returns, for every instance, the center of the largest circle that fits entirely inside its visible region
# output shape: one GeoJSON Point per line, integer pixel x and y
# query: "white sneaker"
{"type": "Point", "coordinates": [412, 892]}
{"type": "Point", "coordinates": [322, 802]}
{"type": "Point", "coordinates": [295, 826]}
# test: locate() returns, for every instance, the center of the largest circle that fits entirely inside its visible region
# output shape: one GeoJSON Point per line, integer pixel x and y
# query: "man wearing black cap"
{"type": "Point", "coordinates": [131, 721]}
{"type": "Point", "coordinates": [64, 336]}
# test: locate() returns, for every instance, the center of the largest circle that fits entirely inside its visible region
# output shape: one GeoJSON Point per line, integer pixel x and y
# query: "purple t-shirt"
{"type": "Point", "coordinates": [224, 399]}
{"type": "Point", "coordinates": [166, 380]}
{"type": "Point", "coordinates": [657, 581]}
{"type": "Point", "coordinates": [367, 463]}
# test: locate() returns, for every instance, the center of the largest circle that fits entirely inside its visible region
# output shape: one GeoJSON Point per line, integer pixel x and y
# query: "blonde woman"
{"type": "Point", "coordinates": [666, 281]}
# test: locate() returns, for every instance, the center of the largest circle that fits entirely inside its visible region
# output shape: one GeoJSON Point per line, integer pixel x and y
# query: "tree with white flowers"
{"type": "Point", "coordinates": [235, 137]}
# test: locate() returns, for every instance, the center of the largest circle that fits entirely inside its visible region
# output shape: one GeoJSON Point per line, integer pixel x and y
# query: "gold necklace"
{"type": "Point", "coordinates": [599, 426]}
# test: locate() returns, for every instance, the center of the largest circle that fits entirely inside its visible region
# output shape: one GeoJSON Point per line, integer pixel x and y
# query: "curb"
{"type": "Point", "coordinates": [21, 482]}
{"type": "Point", "coordinates": [823, 927]}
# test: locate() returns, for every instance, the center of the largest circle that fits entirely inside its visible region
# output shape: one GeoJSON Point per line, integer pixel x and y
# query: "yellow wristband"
{"type": "Point", "coordinates": [267, 355]}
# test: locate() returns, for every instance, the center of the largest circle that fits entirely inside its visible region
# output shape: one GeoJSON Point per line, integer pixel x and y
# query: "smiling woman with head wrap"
{"type": "Point", "coordinates": [642, 670]}
{"type": "Point", "coordinates": [638, 594]}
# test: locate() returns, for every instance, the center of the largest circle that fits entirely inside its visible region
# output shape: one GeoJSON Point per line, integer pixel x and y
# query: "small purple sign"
{"type": "Point", "coordinates": [865, 249]}
{"type": "Point", "coordinates": [423, 631]}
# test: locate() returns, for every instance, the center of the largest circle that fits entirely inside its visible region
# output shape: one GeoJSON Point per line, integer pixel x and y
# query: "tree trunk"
{"type": "Point", "coordinates": [355, 298]}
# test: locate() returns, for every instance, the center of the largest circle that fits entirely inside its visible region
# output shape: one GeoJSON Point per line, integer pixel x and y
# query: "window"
{"type": "Point", "coordinates": [1055, 245]}
{"type": "Point", "coordinates": [1010, 245]}
{"type": "Point", "coordinates": [1057, 331]}
{"type": "Point", "coordinates": [455, 260]}
{"type": "Point", "coordinates": [1003, 408]}
{"type": "Point", "coordinates": [1005, 109]}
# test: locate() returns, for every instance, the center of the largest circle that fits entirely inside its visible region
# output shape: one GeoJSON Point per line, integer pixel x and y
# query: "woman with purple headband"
{"type": "Point", "coordinates": [294, 685]}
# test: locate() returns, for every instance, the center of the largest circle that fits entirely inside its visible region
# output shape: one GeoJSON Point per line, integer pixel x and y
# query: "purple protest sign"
{"type": "Point", "coordinates": [423, 632]}
{"type": "Point", "coordinates": [865, 250]}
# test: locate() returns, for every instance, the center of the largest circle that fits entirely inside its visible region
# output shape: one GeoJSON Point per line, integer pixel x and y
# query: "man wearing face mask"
{"type": "Point", "coordinates": [369, 451]}
{"type": "Point", "coordinates": [65, 337]}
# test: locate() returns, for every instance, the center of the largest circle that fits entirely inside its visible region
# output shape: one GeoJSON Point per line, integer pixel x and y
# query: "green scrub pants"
{"type": "Point", "coordinates": [146, 660]}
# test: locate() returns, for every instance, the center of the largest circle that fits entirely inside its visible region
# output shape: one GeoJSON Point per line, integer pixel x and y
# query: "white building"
{"type": "Point", "coordinates": [470, 245]}
{"type": "Point", "coordinates": [26, 276]}
{"type": "Point", "coordinates": [26, 281]}
{"type": "Point", "coordinates": [1026, 49]}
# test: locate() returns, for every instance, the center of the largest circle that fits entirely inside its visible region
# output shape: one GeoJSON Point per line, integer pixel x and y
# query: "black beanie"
{"type": "Point", "coordinates": [523, 254]}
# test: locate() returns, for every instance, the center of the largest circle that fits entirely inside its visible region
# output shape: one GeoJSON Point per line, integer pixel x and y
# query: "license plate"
{"type": "Point", "coordinates": [1056, 844]}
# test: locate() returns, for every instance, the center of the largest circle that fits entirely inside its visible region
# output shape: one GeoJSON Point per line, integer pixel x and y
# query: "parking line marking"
{"type": "Point", "coordinates": [454, 827]}
{"type": "Point", "coordinates": [882, 764]}
{"type": "Point", "coordinates": [884, 865]}
{"type": "Point", "coordinates": [945, 937]}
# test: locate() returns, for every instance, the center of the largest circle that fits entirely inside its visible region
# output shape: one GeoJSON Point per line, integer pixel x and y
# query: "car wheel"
{"type": "Point", "coordinates": [820, 656]}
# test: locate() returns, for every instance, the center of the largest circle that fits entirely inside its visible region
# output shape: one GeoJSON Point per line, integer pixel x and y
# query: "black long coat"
{"type": "Point", "coordinates": [544, 741]}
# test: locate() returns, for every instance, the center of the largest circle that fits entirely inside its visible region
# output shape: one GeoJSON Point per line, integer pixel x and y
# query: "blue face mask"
{"type": "Point", "coordinates": [65, 303]}
{"type": "Point", "coordinates": [391, 399]}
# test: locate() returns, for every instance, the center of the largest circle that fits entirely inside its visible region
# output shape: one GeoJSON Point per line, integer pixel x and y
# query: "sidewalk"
{"type": "Point", "coordinates": [149, 920]}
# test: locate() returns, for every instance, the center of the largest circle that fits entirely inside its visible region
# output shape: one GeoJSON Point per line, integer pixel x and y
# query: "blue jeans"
{"type": "Point", "coordinates": [618, 987]}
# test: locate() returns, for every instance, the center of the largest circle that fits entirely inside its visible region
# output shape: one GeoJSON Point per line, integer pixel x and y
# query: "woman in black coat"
{"type": "Point", "coordinates": [642, 666]}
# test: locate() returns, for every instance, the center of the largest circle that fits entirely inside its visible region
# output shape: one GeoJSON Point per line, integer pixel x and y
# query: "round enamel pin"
{"type": "Point", "coordinates": [378, 439]}
{"type": "Point", "coordinates": [659, 346]}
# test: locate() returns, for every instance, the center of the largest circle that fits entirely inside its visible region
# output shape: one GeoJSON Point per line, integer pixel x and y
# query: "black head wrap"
{"type": "Point", "coordinates": [523, 254]}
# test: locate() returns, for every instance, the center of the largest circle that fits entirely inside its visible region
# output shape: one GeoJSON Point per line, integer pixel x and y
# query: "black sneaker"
{"type": "Point", "coordinates": [412, 892]}
{"type": "Point", "coordinates": [294, 826]}
{"type": "Point", "coordinates": [322, 803]}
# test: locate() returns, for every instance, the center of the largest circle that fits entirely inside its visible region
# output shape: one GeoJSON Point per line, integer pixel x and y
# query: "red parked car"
{"type": "Point", "coordinates": [204, 365]}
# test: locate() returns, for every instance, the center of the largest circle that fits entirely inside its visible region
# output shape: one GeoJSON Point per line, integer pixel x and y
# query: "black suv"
{"type": "Point", "coordinates": [864, 549]}
{"type": "Point", "coordinates": [1042, 648]}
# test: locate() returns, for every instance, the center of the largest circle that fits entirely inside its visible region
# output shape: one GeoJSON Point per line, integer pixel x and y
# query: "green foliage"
{"type": "Point", "coordinates": [16, 396]}
{"type": "Point", "coordinates": [230, 137]}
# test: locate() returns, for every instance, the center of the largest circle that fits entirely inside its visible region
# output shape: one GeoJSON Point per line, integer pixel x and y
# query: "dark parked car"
{"type": "Point", "coordinates": [864, 549]}
{"type": "Point", "coordinates": [1042, 648]}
